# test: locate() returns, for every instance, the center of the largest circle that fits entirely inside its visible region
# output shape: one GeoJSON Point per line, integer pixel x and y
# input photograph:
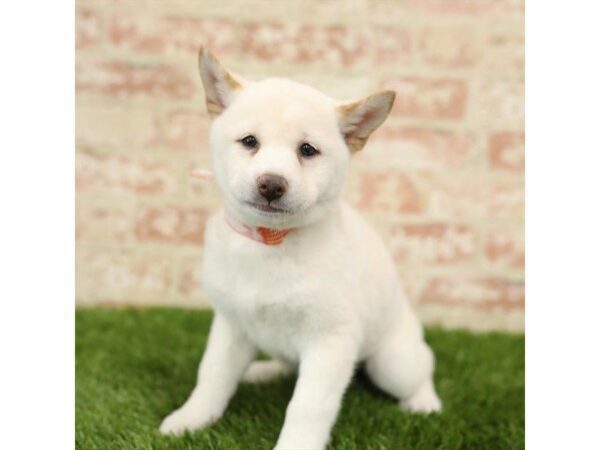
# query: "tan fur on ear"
{"type": "Point", "coordinates": [220, 85]}
{"type": "Point", "coordinates": [357, 120]}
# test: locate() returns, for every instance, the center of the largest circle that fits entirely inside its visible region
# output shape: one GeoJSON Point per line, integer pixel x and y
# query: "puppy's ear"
{"type": "Point", "coordinates": [220, 85]}
{"type": "Point", "coordinates": [357, 120]}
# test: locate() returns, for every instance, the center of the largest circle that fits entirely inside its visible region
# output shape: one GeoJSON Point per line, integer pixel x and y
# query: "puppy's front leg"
{"type": "Point", "coordinates": [228, 354]}
{"type": "Point", "coordinates": [325, 372]}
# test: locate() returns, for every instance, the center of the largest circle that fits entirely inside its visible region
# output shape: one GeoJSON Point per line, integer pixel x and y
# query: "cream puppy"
{"type": "Point", "coordinates": [291, 269]}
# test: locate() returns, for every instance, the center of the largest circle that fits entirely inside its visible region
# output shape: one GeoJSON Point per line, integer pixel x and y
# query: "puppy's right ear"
{"type": "Point", "coordinates": [220, 85]}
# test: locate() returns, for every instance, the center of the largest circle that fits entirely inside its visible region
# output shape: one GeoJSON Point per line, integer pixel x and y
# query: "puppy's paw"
{"type": "Point", "coordinates": [185, 419]}
{"type": "Point", "coordinates": [424, 401]}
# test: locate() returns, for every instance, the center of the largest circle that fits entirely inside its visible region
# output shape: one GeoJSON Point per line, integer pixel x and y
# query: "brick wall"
{"type": "Point", "coordinates": [442, 181]}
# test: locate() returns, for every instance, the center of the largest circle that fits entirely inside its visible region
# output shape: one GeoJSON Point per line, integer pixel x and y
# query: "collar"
{"type": "Point", "coordinates": [266, 236]}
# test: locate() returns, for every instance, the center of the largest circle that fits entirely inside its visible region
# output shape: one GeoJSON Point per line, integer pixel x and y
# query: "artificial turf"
{"type": "Point", "coordinates": [133, 367]}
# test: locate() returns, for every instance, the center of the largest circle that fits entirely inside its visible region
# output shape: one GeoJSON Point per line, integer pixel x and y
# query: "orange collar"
{"type": "Point", "coordinates": [266, 236]}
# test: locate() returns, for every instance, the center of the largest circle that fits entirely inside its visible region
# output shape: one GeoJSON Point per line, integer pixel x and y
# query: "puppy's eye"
{"type": "Point", "coordinates": [249, 142]}
{"type": "Point", "coordinates": [308, 151]}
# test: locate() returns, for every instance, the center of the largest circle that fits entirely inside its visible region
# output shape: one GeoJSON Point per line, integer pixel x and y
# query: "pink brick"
{"type": "Point", "coordinates": [88, 29]}
{"type": "Point", "coordinates": [205, 192]}
{"type": "Point", "coordinates": [432, 243]}
{"type": "Point", "coordinates": [505, 247]}
{"type": "Point", "coordinates": [119, 174]}
{"type": "Point", "coordinates": [468, 7]}
{"type": "Point", "coordinates": [189, 281]}
{"type": "Point", "coordinates": [429, 98]}
{"type": "Point", "coordinates": [117, 128]}
{"type": "Point", "coordinates": [123, 79]}
{"type": "Point", "coordinates": [501, 101]}
{"type": "Point", "coordinates": [172, 34]}
{"type": "Point", "coordinates": [449, 46]}
{"type": "Point", "coordinates": [472, 196]}
{"type": "Point", "coordinates": [122, 275]}
{"type": "Point", "coordinates": [490, 294]}
{"type": "Point", "coordinates": [507, 151]}
{"type": "Point", "coordinates": [335, 45]}
{"type": "Point", "coordinates": [423, 148]}
{"type": "Point", "coordinates": [187, 130]}
{"type": "Point", "coordinates": [504, 49]}
{"type": "Point", "coordinates": [392, 44]}
{"type": "Point", "coordinates": [410, 278]}
{"type": "Point", "coordinates": [176, 225]}
{"type": "Point", "coordinates": [386, 191]}
{"type": "Point", "coordinates": [100, 222]}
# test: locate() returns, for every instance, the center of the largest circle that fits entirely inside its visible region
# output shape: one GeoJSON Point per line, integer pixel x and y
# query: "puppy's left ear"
{"type": "Point", "coordinates": [357, 120]}
{"type": "Point", "coordinates": [220, 85]}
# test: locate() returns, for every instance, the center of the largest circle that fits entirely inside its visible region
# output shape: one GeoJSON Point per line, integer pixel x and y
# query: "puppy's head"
{"type": "Point", "coordinates": [281, 149]}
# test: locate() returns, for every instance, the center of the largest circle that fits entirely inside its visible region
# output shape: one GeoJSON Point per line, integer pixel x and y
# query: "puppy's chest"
{"type": "Point", "coordinates": [276, 327]}
{"type": "Point", "coordinates": [274, 303]}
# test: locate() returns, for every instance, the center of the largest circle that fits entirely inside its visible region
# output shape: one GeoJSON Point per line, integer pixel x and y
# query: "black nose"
{"type": "Point", "coordinates": [271, 187]}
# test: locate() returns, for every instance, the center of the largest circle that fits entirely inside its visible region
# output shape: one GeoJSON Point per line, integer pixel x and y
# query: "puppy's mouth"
{"type": "Point", "coordinates": [269, 209]}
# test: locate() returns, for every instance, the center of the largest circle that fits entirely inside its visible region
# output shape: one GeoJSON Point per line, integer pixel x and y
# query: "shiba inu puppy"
{"type": "Point", "coordinates": [291, 269]}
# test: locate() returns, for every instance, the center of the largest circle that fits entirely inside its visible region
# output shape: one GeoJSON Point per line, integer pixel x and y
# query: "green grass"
{"type": "Point", "coordinates": [135, 366]}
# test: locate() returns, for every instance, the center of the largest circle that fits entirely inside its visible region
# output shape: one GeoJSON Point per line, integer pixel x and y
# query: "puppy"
{"type": "Point", "coordinates": [291, 269]}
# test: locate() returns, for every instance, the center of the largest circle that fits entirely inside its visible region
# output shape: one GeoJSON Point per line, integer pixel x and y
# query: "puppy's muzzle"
{"type": "Point", "coordinates": [271, 187]}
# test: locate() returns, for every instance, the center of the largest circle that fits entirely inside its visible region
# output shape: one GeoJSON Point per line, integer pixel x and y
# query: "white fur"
{"type": "Point", "coordinates": [327, 297]}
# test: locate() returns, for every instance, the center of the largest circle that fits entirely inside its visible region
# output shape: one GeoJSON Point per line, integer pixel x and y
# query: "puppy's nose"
{"type": "Point", "coordinates": [271, 187]}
